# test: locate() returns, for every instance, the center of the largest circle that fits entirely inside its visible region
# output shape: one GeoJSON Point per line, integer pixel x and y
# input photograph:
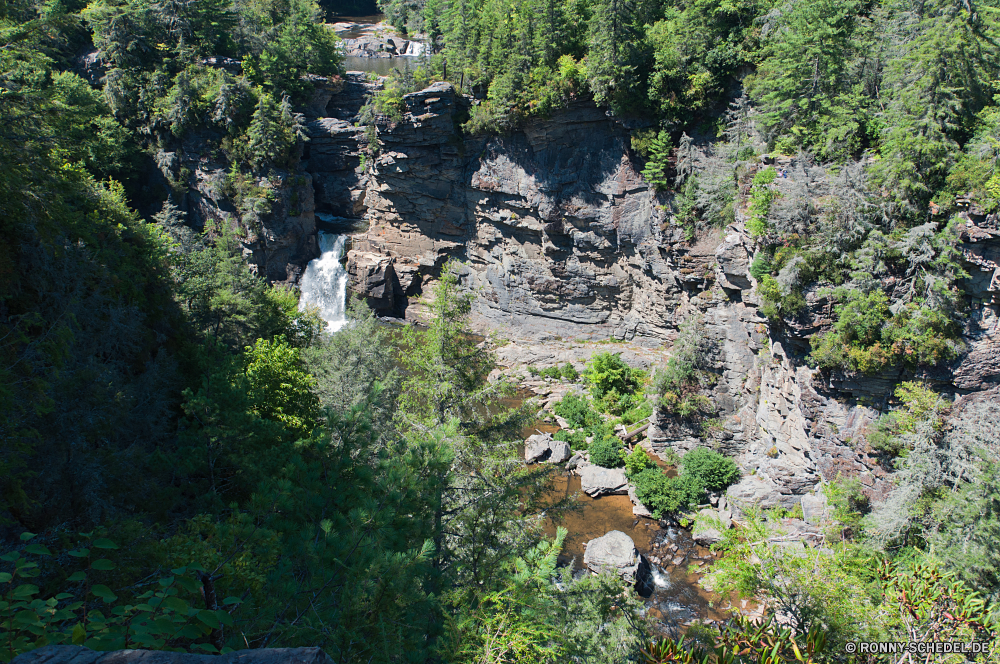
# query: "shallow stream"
{"type": "Point", "coordinates": [677, 598]}
{"type": "Point", "coordinates": [361, 26]}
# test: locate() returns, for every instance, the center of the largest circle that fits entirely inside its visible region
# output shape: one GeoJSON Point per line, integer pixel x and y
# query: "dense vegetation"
{"type": "Point", "coordinates": [897, 101]}
{"type": "Point", "coordinates": [190, 462]}
{"type": "Point", "coordinates": [169, 417]}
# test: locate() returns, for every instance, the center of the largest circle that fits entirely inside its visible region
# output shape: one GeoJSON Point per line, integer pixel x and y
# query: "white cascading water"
{"type": "Point", "coordinates": [414, 49]}
{"type": "Point", "coordinates": [660, 579]}
{"type": "Point", "coordinates": [324, 283]}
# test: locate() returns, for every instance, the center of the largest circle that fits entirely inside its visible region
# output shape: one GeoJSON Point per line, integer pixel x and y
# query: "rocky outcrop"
{"type": "Point", "coordinates": [560, 233]}
{"type": "Point", "coordinates": [541, 447]}
{"type": "Point", "coordinates": [563, 242]}
{"type": "Point", "coordinates": [596, 481]}
{"type": "Point", "coordinates": [81, 655]}
{"type": "Point", "coordinates": [273, 215]}
{"type": "Point", "coordinates": [373, 277]}
{"type": "Point", "coordinates": [615, 552]}
{"type": "Point", "coordinates": [980, 368]}
{"type": "Point", "coordinates": [709, 525]}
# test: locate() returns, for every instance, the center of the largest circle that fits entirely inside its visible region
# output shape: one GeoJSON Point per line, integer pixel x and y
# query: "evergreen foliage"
{"type": "Point", "coordinates": [657, 165]}
{"type": "Point", "coordinates": [607, 451]}
{"type": "Point", "coordinates": [678, 384]}
{"type": "Point", "coordinates": [613, 383]}
{"type": "Point", "coordinates": [712, 470]}
{"type": "Point", "coordinates": [362, 492]}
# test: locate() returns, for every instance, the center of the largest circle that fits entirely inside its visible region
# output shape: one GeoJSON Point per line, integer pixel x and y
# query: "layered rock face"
{"type": "Point", "coordinates": [560, 234]}
{"type": "Point", "coordinates": [561, 238]}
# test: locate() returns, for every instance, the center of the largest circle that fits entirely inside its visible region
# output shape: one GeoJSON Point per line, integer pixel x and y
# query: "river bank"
{"type": "Point", "coordinates": [678, 563]}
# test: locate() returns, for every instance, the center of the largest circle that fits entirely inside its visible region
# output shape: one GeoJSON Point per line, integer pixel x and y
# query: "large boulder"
{"type": "Point", "coordinates": [755, 491]}
{"type": "Point", "coordinates": [373, 276]}
{"type": "Point", "coordinates": [614, 552]}
{"type": "Point", "coordinates": [600, 481]}
{"type": "Point", "coordinates": [733, 263]}
{"type": "Point", "coordinates": [542, 447]}
{"type": "Point", "coordinates": [81, 655]}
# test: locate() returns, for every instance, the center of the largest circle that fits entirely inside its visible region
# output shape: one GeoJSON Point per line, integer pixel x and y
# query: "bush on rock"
{"type": "Point", "coordinates": [712, 470]}
{"type": "Point", "coordinates": [607, 451]}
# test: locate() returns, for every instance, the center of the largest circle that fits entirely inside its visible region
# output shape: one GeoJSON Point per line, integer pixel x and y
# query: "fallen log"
{"type": "Point", "coordinates": [636, 432]}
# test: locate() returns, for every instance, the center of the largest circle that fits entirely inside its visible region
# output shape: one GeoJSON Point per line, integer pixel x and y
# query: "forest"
{"type": "Point", "coordinates": [190, 462]}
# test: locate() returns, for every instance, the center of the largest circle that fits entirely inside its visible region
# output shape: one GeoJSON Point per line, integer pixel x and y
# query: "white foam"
{"type": "Point", "coordinates": [324, 283]}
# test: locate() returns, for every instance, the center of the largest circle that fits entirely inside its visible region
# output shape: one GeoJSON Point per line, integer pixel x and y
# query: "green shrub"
{"type": "Point", "coordinates": [761, 266]}
{"type": "Point", "coordinates": [577, 439]}
{"type": "Point", "coordinates": [569, 373]}
{"type": "Point", "coordinates": [667, 495]}
{"type": "Point", "coordinates": [637, 461]}
{"type": "Point", "coordinates": [761, 197]}
{"type": "Point", "coordinates": [165, 617]}
{"type": "Point", "coordinates": [607, 451]}
{"type": "Point", "coordinates": [642, 141]}
{"type": "Point", "coordinates": [919, 404]}
{"type": "Point", "coordinates": [869, 338]}
{"type": "Point", "coordinates": [765, 641]}
{"type": "Point", "coordinates": [679, 383]}
{"type": "Point", "coordinates": [623, 404]}
{"type": "Point", "coordinates": [576, 410]}
{"type": "Point", "coordinates": [610, 378]}
{"type": "Point", "coordinates": [637, 413]}
{"type": "Point", "coordinates": [712, 470]}
{"type": "Point", "coordinates": [547, 372]}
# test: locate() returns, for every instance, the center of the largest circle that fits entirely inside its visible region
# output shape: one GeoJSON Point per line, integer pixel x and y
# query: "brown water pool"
{"type": "Point", "coordinates": [677, 599]}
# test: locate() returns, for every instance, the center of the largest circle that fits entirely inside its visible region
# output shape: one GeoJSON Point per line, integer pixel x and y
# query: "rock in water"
{"type": "Point", "coordinates": [536, 447]}
{"type": "Point", "coordinates": [600, 481]}
{"type": "Point", "coordinates": [560, 451]}
{"type": "Point", "coordinates": [614, 552]}
{"type": "Point", "coordinates": [541, 447]}
{"type": "Point", "coordinates": [575, 461]}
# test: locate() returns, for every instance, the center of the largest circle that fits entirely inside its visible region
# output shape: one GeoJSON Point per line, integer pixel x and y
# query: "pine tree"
{"type": "Point", "coordinates": [804, 85]}
{"type": "Point", "coordinates": [936, 84]}
{"type": "Point", "coordinates": [267, 141]}
{"type": "Point", "coordinates": [656, 168]}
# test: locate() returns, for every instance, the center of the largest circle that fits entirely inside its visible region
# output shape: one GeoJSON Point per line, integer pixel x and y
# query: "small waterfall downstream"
{"type": "Point", "coordinates": [324, 283]}
{"type": "Point", "coordinates": [414, 49]}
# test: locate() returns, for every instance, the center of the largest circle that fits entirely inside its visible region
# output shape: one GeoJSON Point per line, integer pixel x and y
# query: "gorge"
{"type": "Point", "coordinates": [562, 239]}
{"type": "Point", "coordinates": [508, 331]}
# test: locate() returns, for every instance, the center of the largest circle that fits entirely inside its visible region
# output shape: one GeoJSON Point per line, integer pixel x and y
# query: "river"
{"type": "Point", "coordinates": [372, 28]}
{"type": "Point", "coordinates": [676, 598]}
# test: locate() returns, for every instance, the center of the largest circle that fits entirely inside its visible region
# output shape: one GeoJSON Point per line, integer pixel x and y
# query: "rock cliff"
{"type": "Point", "coordinates": [562, 239]}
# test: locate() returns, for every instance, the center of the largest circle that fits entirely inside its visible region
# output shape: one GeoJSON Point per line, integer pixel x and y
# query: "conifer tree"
{"type": "Point", "coordinates": [803, 85]}
{"type": "Point", "coordinates": [656, 168]}
{"type": "Point", "coordinates": [266, 136]}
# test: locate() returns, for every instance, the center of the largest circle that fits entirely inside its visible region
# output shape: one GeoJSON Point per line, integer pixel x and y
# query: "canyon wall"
{"type": "Point", "coordinates": [561, 239]}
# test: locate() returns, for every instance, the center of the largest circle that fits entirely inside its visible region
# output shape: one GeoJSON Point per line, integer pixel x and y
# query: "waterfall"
{"type": "Point", "coordinates": [324, 283]}
{"type": "Point", "coordinates": [660, 579]}
{"type": "Point", "coordinates": [414, 49]}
